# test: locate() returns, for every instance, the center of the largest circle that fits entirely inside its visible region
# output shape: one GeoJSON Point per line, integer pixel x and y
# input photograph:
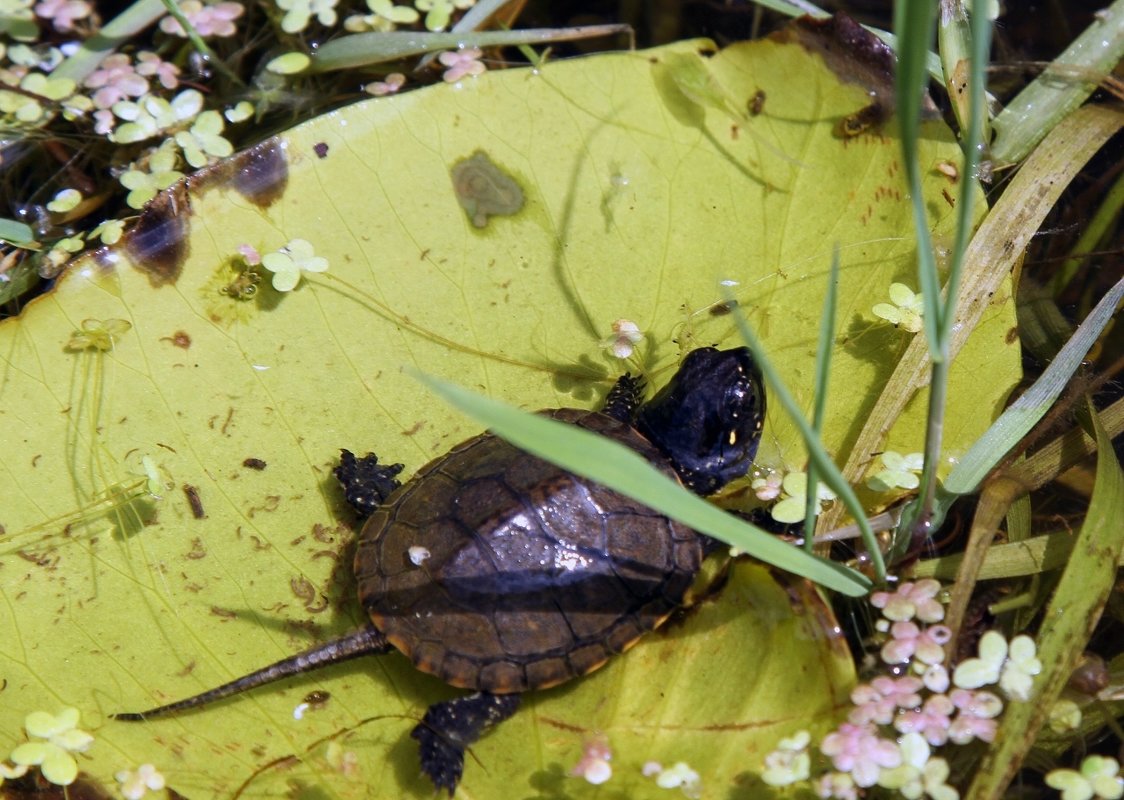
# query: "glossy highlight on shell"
{"type": "Point", "coordinates": [543, 575]}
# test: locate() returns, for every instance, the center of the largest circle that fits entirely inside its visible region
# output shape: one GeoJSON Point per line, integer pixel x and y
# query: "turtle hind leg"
{"type": "Point", "coordinates": [450, 727]}
{"type": "Point", "coordinates": [366, 483]}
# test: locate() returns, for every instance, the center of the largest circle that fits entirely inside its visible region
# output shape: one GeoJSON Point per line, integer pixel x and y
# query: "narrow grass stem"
{"type": "Point", "coordinates": [819, 410]}
{"type": "Point", "coordinates": [971, 142]}
{"type": "Point", "coordinates": [817, 454]}
{"type": "Point", "coordinates": [965, 69]}
{"type": "Point", "coordinates": [926, 516]}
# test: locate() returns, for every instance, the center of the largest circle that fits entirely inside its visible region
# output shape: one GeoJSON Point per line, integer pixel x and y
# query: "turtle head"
{"type": "Point", "coordinates": [707, 420]}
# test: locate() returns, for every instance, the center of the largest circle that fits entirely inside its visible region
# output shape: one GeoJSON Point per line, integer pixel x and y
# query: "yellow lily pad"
{"type": "Point", "coordinates": [647, 179]}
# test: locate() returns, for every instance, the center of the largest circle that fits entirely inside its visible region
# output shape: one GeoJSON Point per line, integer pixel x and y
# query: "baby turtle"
{"type": "Point", "coordinates": [499, 572]}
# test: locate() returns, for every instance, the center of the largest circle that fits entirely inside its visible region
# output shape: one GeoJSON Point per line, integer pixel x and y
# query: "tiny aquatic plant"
{"type": "Point", "coordinates": [290, 261]}
{"type": "Point", "coordinates": [54, 739]}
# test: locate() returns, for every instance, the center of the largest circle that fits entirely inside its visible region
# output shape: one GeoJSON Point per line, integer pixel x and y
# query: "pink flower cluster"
{"type": "Point", "coordinates": [860, 751]}
{"type": "Point", "coordinates": [210, 20]}
{"type": "Point", "coordinates": [115, 80]}
{"type": "Point", "coordinates": [914, 702]}
{"type": "Point", "coordinates": [63, 13]}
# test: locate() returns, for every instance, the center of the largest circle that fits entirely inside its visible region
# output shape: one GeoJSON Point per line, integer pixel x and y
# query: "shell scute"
{"type": "Point", "coordinates": [532, 575]}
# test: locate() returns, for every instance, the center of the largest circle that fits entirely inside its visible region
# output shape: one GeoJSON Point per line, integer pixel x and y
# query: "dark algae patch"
{"type": "Point", "coordinates": [485, 190]}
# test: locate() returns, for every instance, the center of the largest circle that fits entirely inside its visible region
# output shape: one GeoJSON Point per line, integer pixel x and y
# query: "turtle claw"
{"type": "Point", "coordinates": [366, 483]}
{"type": "Point", "coordinates": [450, 727]}
{"type": "Point", "coordinates": [441, 760]}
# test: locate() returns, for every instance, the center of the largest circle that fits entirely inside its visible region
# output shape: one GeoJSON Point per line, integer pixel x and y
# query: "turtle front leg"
{"type": "Point", "coordinates": [449, 728]}
{"type": "Point", "coordinates": [624, 398]}
{"type": "Point", "coordinates": [366, 483]}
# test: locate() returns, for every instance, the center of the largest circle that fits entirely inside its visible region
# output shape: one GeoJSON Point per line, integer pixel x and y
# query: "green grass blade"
{"type": "Point", "coordinates": [913, 26]}
{"type": "Point", "coordinates": [817, 455]}
{"type": "Point", "coordinates": [1061, 88]}
{"type": "Point", "coordinates": [1030, 407]}
{"type": "Point", "coordinates": [623, 470]}
{"type": "Point", "coordinates": [362, 49]}
{"type": "Point", "coordinates": [972, 134]}
{"type": "Point", "coordinates": [919, 516]}
{"type": "Point", "coordinates": [819, 408]}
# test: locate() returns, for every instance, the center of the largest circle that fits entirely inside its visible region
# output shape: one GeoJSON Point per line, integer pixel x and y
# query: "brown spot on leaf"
{"type": "Point", "coordinates": [261, 173]}
{"type": "Point", "coordinates": [1012, 336]}
{"type": "Point", "coordinates": [179, 339]}
{"type": "Point", "coordinates": [193, 500]}
{"type": "Point", "coordinates": [254, 463]}
{"type": "Point", "coordinates": [36, 559]}
{"type": "Point", "coordinates": [854, 54]}
{"type": "Point", "coordinates": [269, 505]}
{"type": "Point", "coordinates": [866, 118]}
{"type": "Point", "coordinates": [321, 149]}
{"type": "Point", "coordinates": [757, 103]}
{"type": "Point", "coordinates": [157, 243]}
{"type": "Point", "coordinates": [302, 587]}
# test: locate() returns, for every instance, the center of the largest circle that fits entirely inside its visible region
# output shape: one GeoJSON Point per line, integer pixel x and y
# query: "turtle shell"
{"type": "Point", "coordinates": [495, 570]}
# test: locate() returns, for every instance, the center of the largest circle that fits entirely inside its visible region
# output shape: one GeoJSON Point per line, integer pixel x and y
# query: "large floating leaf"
{"type": "Point", "coordinates": [647, 178]}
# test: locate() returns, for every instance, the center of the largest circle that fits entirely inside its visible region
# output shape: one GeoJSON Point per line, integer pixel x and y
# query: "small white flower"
{"type": "Point", "coordinates": [64, 201]}
{"type": "Point", "coordinates": [1020, 668]}
{"type": "Point", "coordinates": [898, 472]}
{"type": "Point", "coordinates": [767, 487]}
{"type": "Point", "coordinates": [1065, 717]}
{"type": "Point", "coordinates": [1099, 778]}
{"type": "Point", "coordinates": [790, 762]}
{"type": "Point", "coordinates": [626, 334]}
{"type": "Point", "coordinates": [134, 785]}
{"type": "Point", "coordinates": [60, 737]}
{"type": "Point", "coordinates": [972, 673]}
{"type": "Point", "coordinates": [594, 764]}
{"type": "Point", "coordinates": [791, 507]}
{"type": "Point", "coordinates": [680, 776]}
{"type": "Point", "coordinates": [906, 309]}
{"type": "Point", "coordinates": [290, 261]}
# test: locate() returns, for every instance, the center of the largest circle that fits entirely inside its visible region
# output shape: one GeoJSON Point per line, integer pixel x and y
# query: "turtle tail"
{"type": "Point", "coordinates": [365, 641]}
